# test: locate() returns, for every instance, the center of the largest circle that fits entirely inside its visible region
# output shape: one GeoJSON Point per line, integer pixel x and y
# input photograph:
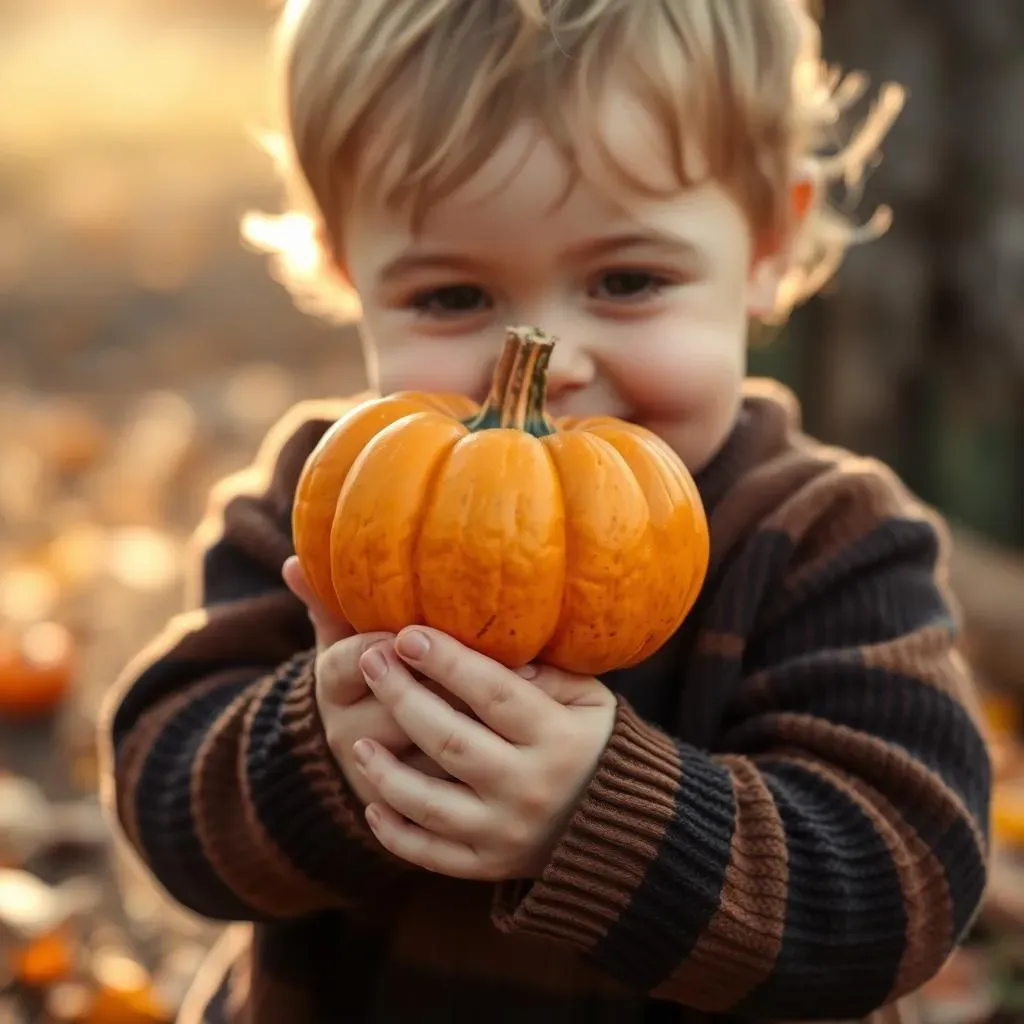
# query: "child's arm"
{"type": "Point", "coordinates": [831, 859]}
{"type": "Point", "coordinates": [220, 773]}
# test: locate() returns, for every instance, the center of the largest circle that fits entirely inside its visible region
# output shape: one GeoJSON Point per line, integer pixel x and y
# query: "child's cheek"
{"type": "Point", "coordinates": [435, 365]}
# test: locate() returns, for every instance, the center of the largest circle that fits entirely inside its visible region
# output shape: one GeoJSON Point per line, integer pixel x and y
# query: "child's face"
{"type": "Point", "coordinates": [649, 298]}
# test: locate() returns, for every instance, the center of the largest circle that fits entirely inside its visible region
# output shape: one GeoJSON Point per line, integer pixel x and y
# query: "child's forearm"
{"type": "Point", "coordinates": [782, 887]}
{"type": "Point", "coordinates": [224, 784]}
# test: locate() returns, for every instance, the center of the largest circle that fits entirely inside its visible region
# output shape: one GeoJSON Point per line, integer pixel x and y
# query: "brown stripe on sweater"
{"type": "Point", "coordinates": [604, 854]}
{"type": "Point", "coordinates": [750, 503]}
{"type": "Point", "coordinates": [838, 509]}
{"type": "Point", "coordinates": [716, 644]}
{"type": "Point", "coordinates": [234, 841]}
{"type": "Point", "coordinates": [874, 760]}
{"type": "Point", "coordinates": [131, 761]}
{"type": "Point", "coordinates": [221, 633]}
{"type": "Point", "coordinates": [737, 950]}
{"type": "Point", "coordinates": [445, 928]}
{"type": "Point", "coordinates": [158, 649]}
{"type": "Point", "coordinates": [928, 654]}
{"type": "Point", "coordinates": [260, 630]}
{"type": "Point", "coordinates": [247, 526]}
{"type": "Point", "coordinates": [773, 399]}
{"type": "Point", "coordinates": [922, 878]}
{"type": "Point", "coordinates": [327, 783]}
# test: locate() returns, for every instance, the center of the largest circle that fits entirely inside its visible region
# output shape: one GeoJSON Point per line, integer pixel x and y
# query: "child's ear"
{"type": "Point", "coordinates": [763, 288]}
{"type": "Point", "coordinates": [773, 251]}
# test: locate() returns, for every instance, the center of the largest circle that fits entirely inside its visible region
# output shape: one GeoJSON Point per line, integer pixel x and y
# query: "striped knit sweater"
{"type": "Point", "coordinates": [789, 821]}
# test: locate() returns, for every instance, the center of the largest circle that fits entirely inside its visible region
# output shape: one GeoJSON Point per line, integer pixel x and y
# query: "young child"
{"type": "Point", "coordinates": [780, 815]}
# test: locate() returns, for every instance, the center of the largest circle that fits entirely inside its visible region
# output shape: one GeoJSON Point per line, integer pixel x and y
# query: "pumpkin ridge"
{"type": "Point", "coordinates": [545, 443]}
{"type": "Point", "coordinates": [505, 583]}
{"type": "Point", "coordinates": [357, 539]}
{"type": "Point", "coordinates": [576, 630]}
{"type": "Point", "coordinates": [648, 538]}
{"type": "Point", "coordinates": [669, 478]}
{"type": "Point", "coordinates": [698, 567]}
{"type": "Point", "coordinates": [690, 492]}
{"type": "Point", "coordinates": [427, 499]}
{"type": "Point", "coordinates": [648, 533]}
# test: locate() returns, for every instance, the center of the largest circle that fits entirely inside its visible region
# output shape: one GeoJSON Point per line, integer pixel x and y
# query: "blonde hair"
{"type": "Point", "coordinates": [415, 95]}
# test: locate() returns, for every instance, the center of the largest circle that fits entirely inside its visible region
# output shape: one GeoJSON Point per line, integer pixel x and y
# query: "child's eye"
{"type": "Point", "coordinates": [626, 285]}
{"type": "Point", "coordinates": [456, 298]}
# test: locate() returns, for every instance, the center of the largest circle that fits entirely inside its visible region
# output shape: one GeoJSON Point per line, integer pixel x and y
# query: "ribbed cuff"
{"type": "Point", "coordinates": [300, 716]}
{"type": "Point", "coordinates": [302, 794]}
{"type": "Point", "coordinates": [610, 841]}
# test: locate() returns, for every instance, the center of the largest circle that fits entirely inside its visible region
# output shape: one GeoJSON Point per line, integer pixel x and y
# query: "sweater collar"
{"type": "Point", "coordinates": [769, 413]}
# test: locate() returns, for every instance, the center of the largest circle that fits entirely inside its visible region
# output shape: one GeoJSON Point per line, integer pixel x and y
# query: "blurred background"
{"type": "Point", "coordinates": [144, 352]}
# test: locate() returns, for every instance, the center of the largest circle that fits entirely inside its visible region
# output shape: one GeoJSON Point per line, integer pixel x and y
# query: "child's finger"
{"type": "Point", "coordinates": [563, 687]}
{"type": "Point", "coordinates": [328, 628]}
{"type": "Point", "coordinates": [295, 577]}
{"type": "Point", "coordinates": [340, 680]}
{"type": "Point", "coordinates": [415, 758]}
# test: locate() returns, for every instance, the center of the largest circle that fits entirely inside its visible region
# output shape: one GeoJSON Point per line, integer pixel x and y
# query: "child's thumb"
{"type": "Point", "coordinates": [329, 629]}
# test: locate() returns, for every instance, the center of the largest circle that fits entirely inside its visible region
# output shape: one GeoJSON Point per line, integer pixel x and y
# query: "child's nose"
{"type": "Point", "coordinates": [571, 368]}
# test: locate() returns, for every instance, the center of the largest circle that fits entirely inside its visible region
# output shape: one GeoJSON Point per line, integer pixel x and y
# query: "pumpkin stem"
{"type": "Point", "coordinates": [519, 387]}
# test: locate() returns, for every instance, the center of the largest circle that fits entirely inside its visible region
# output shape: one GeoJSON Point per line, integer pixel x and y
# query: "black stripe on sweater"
{"type": "Point", "coordinates": [164, 811]}
{"type": "Point", "coordinates": [845, 916]}
{"type": "Point", "coordinates": [880, 588]}
{"type": "Point", "coordinates": [232, 574]}
{"type": "Point", "coordinates": [682, 887]}
{"type": "Point", "coordinates": [956, 849]}
{"type": "Point", "coordinates": [162, 679]}
{"type": "Point", "coordinates": [930, 725]}
{"type": "Point", "coordinates": [290, 809]}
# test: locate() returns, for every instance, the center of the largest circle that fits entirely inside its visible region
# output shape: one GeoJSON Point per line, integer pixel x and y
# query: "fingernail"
{"type": "Point", "coordinates": [372, 816]}
{"type": "Point", "coordinates": [528, 671]}
{"type": "Point", "coordinates": [373, 664]}
{"type": "Point", "coordinates": [363, 751]}
{"type": "Point", "coordinates": [413, 644]}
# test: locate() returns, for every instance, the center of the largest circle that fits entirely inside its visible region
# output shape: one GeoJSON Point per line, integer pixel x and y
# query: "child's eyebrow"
{"type": "Point", "coordinates": [646, 239]}
{"type": "Point", "coordinates": [594, 248]}
{"type": "Point", "coordinates": [411, 260]}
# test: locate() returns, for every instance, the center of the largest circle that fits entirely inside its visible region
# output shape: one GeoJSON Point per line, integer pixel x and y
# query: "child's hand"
{"type": "Point", "coordinates": [347, 708]}
{"type": "Point", "coordinates": [519, 768]}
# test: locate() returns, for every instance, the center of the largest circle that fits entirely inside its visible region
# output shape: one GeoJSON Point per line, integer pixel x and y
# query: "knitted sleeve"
{"type": "Point", "coordinates": [829, 852]}
{"type": "Point", "coordinates": [219, 770]}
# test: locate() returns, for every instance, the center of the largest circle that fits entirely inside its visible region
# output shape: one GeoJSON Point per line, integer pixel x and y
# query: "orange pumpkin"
{"type": "Point", "coordinates": [124, 994]}
{"type": "Point", "coordinates": [37, 669]}
{"type": "Point", "coordinates": [581, 543]}
{"type": "Point", "coordinates": [1008, 812]}
{"type": "Point", "coordinates": [46, 960]}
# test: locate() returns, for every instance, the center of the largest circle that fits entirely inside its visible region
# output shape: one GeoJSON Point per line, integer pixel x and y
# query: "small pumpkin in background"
{"type": "Point", "coordinates": [46, 961]}
{"type": "Point", "coordinates": [37, 669]}
{"type": "Point", "coordinates": [580, 543]}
